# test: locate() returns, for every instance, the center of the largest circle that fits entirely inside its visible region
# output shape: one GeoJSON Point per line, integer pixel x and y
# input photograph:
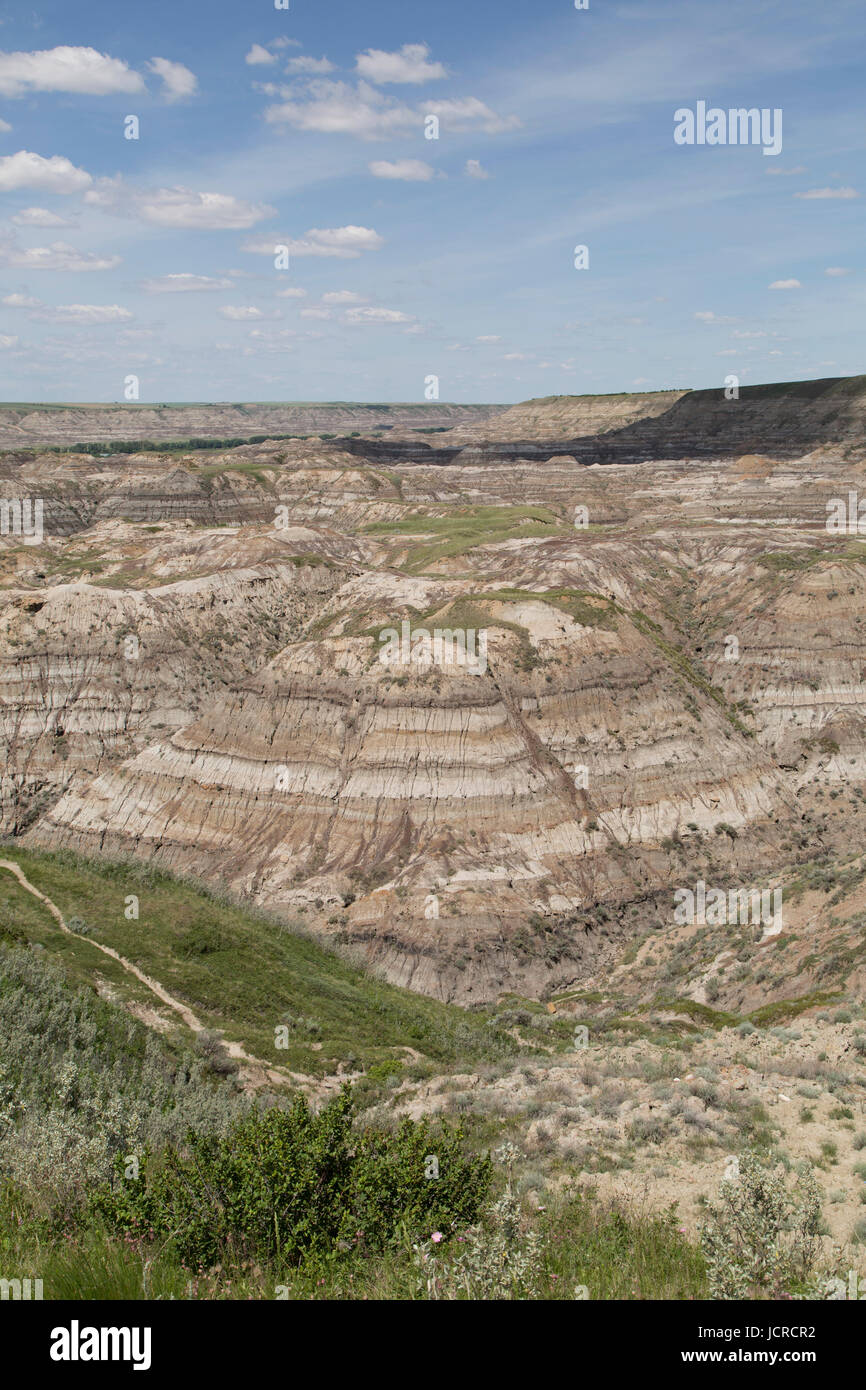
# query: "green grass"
{"type": "Point", "coordinates": [778, 561]}
{"type": "Point", "coordinates": [465, 528]}
{"type": "Point", "coordinates": [239, 971]}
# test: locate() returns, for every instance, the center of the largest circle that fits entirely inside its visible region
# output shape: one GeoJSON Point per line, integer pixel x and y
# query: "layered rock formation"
{"type": "Point", "coordinates": [671, 685]}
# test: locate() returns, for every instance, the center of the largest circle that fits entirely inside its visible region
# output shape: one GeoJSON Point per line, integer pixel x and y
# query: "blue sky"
{"type": "Point", "coordinates": [409, 257]}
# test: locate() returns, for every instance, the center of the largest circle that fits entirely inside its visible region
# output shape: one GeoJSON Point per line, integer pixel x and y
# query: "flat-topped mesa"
{"type": "Point", "coordinates": [784, 419]}
{"type": "Point", "coordinates": [32, 426]}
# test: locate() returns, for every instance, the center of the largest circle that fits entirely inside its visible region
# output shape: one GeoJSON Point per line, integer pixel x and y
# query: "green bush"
{"type": "Point", "coordinates": [283, 1183]}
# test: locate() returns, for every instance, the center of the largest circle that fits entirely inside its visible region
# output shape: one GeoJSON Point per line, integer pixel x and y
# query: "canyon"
{"type": "Point", "coordinates": [673, 689]}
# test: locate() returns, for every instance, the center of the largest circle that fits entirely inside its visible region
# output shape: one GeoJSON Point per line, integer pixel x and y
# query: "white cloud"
{"type": "Point", "coordinates": [273, 339]}
{"type": "Point", "coordinates": [411, 170]}
{"type": "Point", "coordinates": [410, 64]}
{"type": "Point", "coordinates": [68, 313]}
{"type": "Point", "coordinates": [836, 270]}
{"type": "Point", "coordinates": [475, 170]}
{"type": "Point", "coordinates": [184, 283]}
{"type": "Point", "coordinates": [5, 127]}
{"type": "Point", "coordinates": [376, 316]}
{"type": "Point", "coordinates": [58, 256]}
{"type": "Point", "coordinates": [465, 112]}
{"type": "Point", "coordinates": [316, 314]}
{"type": "Point", "coordinates": [707, 316]}
{"type": "Point", "coordinates": [844, 193]}
{"type": "Point", "coordinates": [346, 243]}
{"type": "Point", "coordinates": [86, 313]}
{"type": "Point", "coordinates": [7, 341]}
{"type": "Point", "coordinates": [338, 108]}
{"type": "Point", "coordinates": [40, 217]}
{"type": "Point", "coordinates": [65, 69]}
{"type": "Point", "coordinates": [291, 294]}
{"type": "Point", "coordinates": [54, 175]}
{"type": "Point", "coordinates": [800, 169]}
{"type": "Point", "coordinates": [176, 207]}
{"type": "Point", "coordinates": [304, 64]}
{"type": "Point", "coordinates": [257, 55]}
{"type": "Point", "coordinates": [489, 338]}
{"type": "Point", "coordinates": [786, 285]}
{"type": "Point", "coordinates": [342, 297]}
{"type": "Point", "coordinates": [240, 313]}
{"type": "Point", "coordinates": [177, 81]}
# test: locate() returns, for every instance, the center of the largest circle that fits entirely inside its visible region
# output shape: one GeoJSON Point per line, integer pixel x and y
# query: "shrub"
{"type": "Point", "coordinates": [499, 1259]}
{"type": "Point", "coordinates": [762, 1234]}
{"type": "Point", "coordinates": [283, 1183]}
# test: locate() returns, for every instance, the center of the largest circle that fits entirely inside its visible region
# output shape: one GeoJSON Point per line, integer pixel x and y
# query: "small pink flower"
{"type": "Point", "coordinates": [436, 1237]}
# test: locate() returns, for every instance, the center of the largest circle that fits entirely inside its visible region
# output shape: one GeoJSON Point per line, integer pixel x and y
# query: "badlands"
{"type": "Point", "coordinates": [672, 702]}
{"type": "Point", "coordinates": [673, 691]}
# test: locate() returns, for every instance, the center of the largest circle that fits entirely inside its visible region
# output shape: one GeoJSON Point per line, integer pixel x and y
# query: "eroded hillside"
{"type": "Point", "coordinates": [197, 671]}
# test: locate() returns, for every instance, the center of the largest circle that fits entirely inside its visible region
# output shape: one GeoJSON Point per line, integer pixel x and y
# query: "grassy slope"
{"type": "Point", "coordinates": [239, 971]}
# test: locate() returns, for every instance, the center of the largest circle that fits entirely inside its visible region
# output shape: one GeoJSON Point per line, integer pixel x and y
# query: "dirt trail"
{"type": "Point", "coordinates": [260, 1071]}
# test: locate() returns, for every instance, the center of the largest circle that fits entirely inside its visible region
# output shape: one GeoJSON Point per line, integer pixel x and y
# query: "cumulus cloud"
{"type": "Point", "coordinates": [184, 283]}
{"type": "Point", "coordinates": [304, 64]}
{"type": "Point", "coordinates": [338, 108]}
{"type": "Point", "coordinates": [836, 270]}
{"type": "Point", "coordinates": [258, 55]}
{"type": "Point", "coordinates": [409, 65]}
{"type": "Point", "coordinates": [376, 316]}
{"type": "Point", "coordinates": [176, 207]}
{"type": "Point", "coordinates": [410, 170]}
{"type": "Point", "coordinates": [58, 256]}
{"type": "Point", "coordinates": [86, 313]}
{"type": "Point", "coordinates": [56, 174]}
{"type": "Point", "coordinates": [315, 313]}
{"type": "Point", "coordinates": [465, 113]}
{"type": "Point", "coordinates": [844, 193]}
{"type": "Point", "coordinates": [177, 81]}
{"type": "Point", "coordinates": [489, 338]}
{"type": "Point", "coordinates": [240, 313]}
{"type": "Point", "coordinates": [5, 127]}
{"type": "Point", "coordinates": [21, 301]}
{"type": "Point", "coordinates": [291, 294]}
{"type": "Point", "coordinates": [7, 341]}
{"type": "Point", "coordinates": [68, 313]}
{"type": "Point", "coordinates": [346, 243]}
{"type": "Point", "coordinates": [40, 217]}
{"type": "Point", "coordinates": [342, 297]}
{"type": "Point", "coordinates": [66, 69]}
{"type": "Point", "coordinates": [475, 170]}
{"type": "Point", "coordinates": [786, 285]}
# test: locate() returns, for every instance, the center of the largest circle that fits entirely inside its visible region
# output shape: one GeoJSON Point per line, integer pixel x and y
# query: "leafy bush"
{"type": "Point", "coordinates": [283, 1183]}
{"type": "Point", "coordinates": [762, 1235]}
{"type": "Point", "coordinates": [499, 1259]}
